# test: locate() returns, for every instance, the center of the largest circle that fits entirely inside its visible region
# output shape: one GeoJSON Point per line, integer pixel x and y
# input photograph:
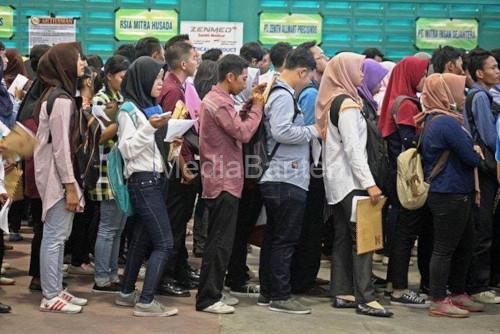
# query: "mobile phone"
{"type": "Point", "coordinates": [166, 114]}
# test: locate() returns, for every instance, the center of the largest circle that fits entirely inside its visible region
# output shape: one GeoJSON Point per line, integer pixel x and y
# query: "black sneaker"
{"type": "Point", "coordinates": [263, 301]}
{"type": "Point", "coordinates": [110, 288]}
{"type": "Point", "coordinates": [291, 306]}
{"type": "Point", "coordinates": [410, 299]}
{"type": "Point", "coordinates": [247, 290]}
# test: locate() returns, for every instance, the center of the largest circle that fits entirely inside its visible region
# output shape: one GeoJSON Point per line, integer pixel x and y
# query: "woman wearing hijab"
{"type": "Point", "coordinates": [8, 106]}
{"type": "Point", "coordinates": [138, 120]}
{"type": "Point", "coordinates": [373, 74]}
{"type": "Point", "coordinates": [16, 66]}
{"type": "Point", "coordinates": [347, 174]}
{"type": "Point", "coordinates": [379, 97]}
{"type": "Point", "coordinates": [61, 196]}
{"type": "Point", "coordinates": [400, 131]}
{"type": "Point", "coordinates": [450, 195]}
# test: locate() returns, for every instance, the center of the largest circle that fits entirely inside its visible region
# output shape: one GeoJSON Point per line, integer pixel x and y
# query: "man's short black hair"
{"type": "Point", "coordinates": [476, 60]}
{"type": "Point", "coordinates": [230, 64]}
{"type": "Point", "coordinates": [176, 53]}
{"type": "Point", "coordinates": [175, 39]}
{"type": "Point", "coordinates": [147, 46]}
{"type": "Point", "coordinates": [127, 51]}
{"type": "Point", "coordinates": [496, 54]}
{"type": "Point", "coordinates": [442, 56]}
{"type": "Point", "coordinates": [278, 53]}
{"type": "Point", "coordinates": [371, 53]}
{"type": "Point", "coordinates": [252, 50]}
{"type": "Point", "coordinates": [212, 54]}
{"type": "Point", "coordinates": [307, 45]}
{"type": "Point", "coordinates": [300, 57]}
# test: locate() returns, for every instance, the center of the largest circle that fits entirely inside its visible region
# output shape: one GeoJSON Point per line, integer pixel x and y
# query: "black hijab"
{"type": "Point", "coordinates": [139, 80]}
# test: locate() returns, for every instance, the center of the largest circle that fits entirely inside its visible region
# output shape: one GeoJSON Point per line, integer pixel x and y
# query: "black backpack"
{"type": "Point", "coordinates": [378, 160]}
{"type": "Point", "coordinates": [256, 157]}
{"type": "Point", "coordinates": [85, 134]}
{"type": "Point", "coordinates": [489, 164]}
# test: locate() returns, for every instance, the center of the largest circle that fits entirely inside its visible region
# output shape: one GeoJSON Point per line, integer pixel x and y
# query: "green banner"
{"type": "Point", "coordinates": [292, 28]}
{"type": "Point", "coordinates": [6, 21]}
{"type": "Point", "coordinates": [432, 33]}
{"type": "Point", "coordinates": [133, 24]}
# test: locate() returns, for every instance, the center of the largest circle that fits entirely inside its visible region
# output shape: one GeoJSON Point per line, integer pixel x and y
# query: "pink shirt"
{"type": "Point", "coordinates": [222, 132]}
{"type": "Point", "coordinates": [193, 101]}
{"type": "Point", "coordinates": [53, 165]}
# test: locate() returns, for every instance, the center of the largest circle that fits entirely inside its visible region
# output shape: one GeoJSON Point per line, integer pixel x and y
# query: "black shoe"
{"type": "Point", "coordinates": [172, 289]}
{"type": "Point", "coordinates": [343, 303]}
{"type": "Point", "coordinates": [35, 286]}
{"type": "Point", "coordinates": [5, 308]}
{"type": "Point", "coordinates": [193, 273]}
{"type": "Point", "coordinates": [110, 288]}
{"type": "Point", "coordinates": [188, 284]}
{"type": "Point", "coordinates": [317, 291]}
{"type": "Point", "coordinates": [374, 312]}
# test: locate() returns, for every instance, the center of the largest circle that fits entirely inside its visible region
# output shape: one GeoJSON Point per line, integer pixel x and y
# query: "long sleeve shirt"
{"type": "Point", "coordinates": [483, 118]}
{"type": "Point", "coordinates": [53, 161]}
{"type": "Point", "coordinates": [445, 133]}
{"type": "Point", "coordinates": [222, 133]}
{"type": "Point", "coordinates": [345, 159]}
{"type": "Point", "coordinates": [290, 163]}
{"type": "Point", "coordinates": [136, 142]}
{"type": "Point", "coordinates": [307, 103]}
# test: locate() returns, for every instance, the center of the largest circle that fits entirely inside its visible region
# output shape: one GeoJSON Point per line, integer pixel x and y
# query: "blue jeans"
{"type": "Point", "coordinates": [107, 245]}
{"type": "Point", "coordinates": [152, 230]}
{"type": "Point", "coordinates": [285, 206]}
{"type": "Point", "coordinates": [56, 230]}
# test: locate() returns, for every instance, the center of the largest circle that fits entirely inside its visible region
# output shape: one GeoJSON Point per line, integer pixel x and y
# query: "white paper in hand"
{"type": "Point", "coordinates": [19, 83]}
{"type": "Point", "coordinates": [177, 128]}
{"type": "Point", "coordinates": [4, 216]}
{"type": "Point", "coordinates": [316, 150]}
{"type": "Point", "coordinates": [354, 209]}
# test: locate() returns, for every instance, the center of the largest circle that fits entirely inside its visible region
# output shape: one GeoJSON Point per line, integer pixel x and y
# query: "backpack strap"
{"type": "Point", "coordinates": [470, 116]}
{"type": "Point", "coordinates": [130, 109]}
{"type": "Point", "coordinates": [440, 164]}
{"type": "Point", "coordinates": [54, 94]}
{"type": "Point", "coordinates": [295, 114]}
{"type": "Point", "coordinates": [335, 108]}
{"type": "Point", "coordinates": [397, 104]}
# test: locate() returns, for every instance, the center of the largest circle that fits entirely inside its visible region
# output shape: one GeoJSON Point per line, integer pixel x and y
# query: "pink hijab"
{"type": "Point", "coordinates": [338, 79]}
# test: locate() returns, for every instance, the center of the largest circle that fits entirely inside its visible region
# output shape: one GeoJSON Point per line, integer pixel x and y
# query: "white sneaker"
{"type": "Point", "coordinates": [486, 297]}
{"type": "Point", "coordinates": [59, 305]}
{"type": "Point", "coordinates": [142, 273]}
{"type": "Point", "coordinates": [65, 295]}
{"type": "Point", "coordinates": [229, 300]}
{"type": "Point", "coordinates": [84, 269]}
{"type": "Point", "coordinates": [219, 308]}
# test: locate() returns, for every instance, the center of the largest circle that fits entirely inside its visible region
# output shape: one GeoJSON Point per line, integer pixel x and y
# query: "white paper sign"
{"type": "Point", "coordinates": [4, 216]}
{"type": "Point", "coordinates": [18, 83]}
{"type": "Point", "coordinates": [178, 127]}
{"type": "Point", "coordinates": [51, 30]}
{"type": "Point", "coordinates": [227, 36]}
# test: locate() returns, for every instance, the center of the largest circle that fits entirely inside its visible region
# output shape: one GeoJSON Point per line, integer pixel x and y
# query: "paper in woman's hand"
{"type": "Point", "coordinates": [177, 128]}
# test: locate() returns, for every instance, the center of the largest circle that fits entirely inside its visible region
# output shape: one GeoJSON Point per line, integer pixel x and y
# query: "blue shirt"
{"type": "Point", "coordinates": [483, 117]}
{"type": "Point", "coordinates": [307, 103]}
{"type": "Point", "coordinates": [446, 133]}
{"type": "Point", "coordinates": [291, 162]}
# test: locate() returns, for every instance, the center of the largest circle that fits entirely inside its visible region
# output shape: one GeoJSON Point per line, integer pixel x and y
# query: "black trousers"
{"type": "Point", "coordinates": [495, 248]}
{"type": "Point", "coordinates": [82, 238]}
{"type": "Point", "coordinates": [36, 214]}
{"type": "Point", "coordinates": [453, 236]}
{"type": "Point", "coordinates": [307, 257]}
{"type": "Point", "coordinates": [15, 216]}
{"type": "Point", "coordinates": [412, 224]}
{"type": "Point", "coordinates": [222, 217]}
{"type": "Point", "coordinates": [248, 213]}
{"type": "Point", "coordinates": [285, 205]}
{"type": "Point", "coordinates": [350, 272]}
{"type": "Point", "coordinates": [200, 226]}
{"type": "Point", "coordinates": [480, 270]}
{"type": "Point", "coordinates": [180, 205]}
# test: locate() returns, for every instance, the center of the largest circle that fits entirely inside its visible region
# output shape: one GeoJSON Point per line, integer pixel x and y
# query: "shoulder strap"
{"type": "Point", "coordinates": [335, 108]}
{"type": "Point", "coordinates": [397, 104]}
{"type": "Point", "coordinates": [130, 109]}
{"type": "Point", "coordinates": [295, 114]}
{"type": "Point", "coordinates": [54, 94]}
{"type": "Point", "coordinates": [439, 166]}
{"type": "Point", "coordinates": [468, 112]}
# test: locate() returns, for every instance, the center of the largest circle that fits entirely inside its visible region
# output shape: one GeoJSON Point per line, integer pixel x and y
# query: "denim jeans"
{"type": "Point", "coordinates": [56, 230]}
{"type": "Point", "coordinates": [453, 242]}
{"type": "Point", "coordinates": [107, 245]}
{"type": "Point", "coordinates": [285, 205]}
{"type": "Point", "coordinates": [152, 230]}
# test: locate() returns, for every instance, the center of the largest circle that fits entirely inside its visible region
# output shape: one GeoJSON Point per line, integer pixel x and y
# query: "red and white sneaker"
{"type": "Point", "coordinates": [65, 295]}
{"type": "Point", "coordinates": [59, 305]}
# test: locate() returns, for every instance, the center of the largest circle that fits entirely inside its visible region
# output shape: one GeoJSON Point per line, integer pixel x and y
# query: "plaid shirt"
{"type": "Point", "coordinates": [102, 191]}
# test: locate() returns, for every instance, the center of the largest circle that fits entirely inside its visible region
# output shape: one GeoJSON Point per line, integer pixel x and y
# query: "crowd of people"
{"type": "Point", "coordinates": [285, 135]}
